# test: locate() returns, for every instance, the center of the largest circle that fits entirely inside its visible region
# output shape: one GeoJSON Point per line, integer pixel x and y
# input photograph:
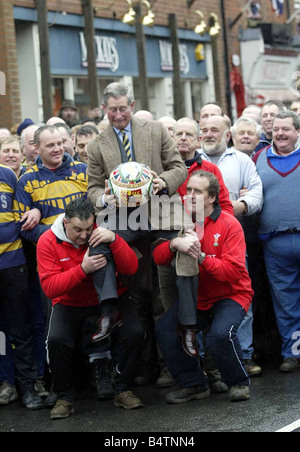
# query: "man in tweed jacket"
{"type": "Point", "coordinates": [150, 145]}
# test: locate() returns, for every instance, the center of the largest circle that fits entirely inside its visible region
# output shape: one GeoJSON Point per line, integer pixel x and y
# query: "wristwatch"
{"type": "Point", "coordinates": [201, 258]}
{"type": "Point", "coordinates": [246, 207]}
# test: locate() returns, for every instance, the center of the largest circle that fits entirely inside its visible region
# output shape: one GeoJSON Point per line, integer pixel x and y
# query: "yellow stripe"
{"type": "Point", "coordinates": [5, 188]}
{"type": "Point", "coordinates": [8, 247]}
{"type": "Point", "coordinates": [49, 221]}
{"type": "Point", "coordinates": [7, 217]}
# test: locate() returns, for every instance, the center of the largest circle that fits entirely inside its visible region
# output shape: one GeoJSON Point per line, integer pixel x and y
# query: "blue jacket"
{"type": "Point", "coordinates": [49, 191]}
{"type": "Point", "coordinates": [11, 250]}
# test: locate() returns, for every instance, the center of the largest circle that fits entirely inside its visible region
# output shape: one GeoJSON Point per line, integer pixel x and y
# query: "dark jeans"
{"type": "Point", "coordinates": [224, 319]}
{"type": "Point", "coordinates": [13, 296]}
{"type": "Point", "coordinates": [71, 328]}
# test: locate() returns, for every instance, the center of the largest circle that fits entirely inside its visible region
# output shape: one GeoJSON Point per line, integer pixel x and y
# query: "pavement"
{"type": "Point", "coordinates": [274, 405]}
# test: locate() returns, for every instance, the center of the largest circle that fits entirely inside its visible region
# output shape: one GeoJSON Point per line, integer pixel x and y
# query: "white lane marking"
{"type": "Point", "coordinates": [290, 428]}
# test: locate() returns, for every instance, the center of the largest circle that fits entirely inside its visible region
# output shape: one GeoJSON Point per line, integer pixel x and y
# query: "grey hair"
{"type": "Point", "coordinates": [289, 114]}
{"type": "Point", "coordinates": [248, 121]}
{"type": "Point", "coordinates": [196, 124]}
{"type": "Point", "coordinates": [117, 90]}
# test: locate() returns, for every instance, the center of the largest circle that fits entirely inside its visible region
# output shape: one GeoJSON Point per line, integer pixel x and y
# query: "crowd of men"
{"type": "Point", "coordinates": [129, 306]}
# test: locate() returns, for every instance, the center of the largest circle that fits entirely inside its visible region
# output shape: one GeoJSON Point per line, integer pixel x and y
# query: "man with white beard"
{"type": "Point", "coordinates": [246, 193]}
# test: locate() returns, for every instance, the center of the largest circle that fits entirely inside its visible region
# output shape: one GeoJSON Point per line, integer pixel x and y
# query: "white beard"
{"type": "Point", "coordinates": [215, 148]}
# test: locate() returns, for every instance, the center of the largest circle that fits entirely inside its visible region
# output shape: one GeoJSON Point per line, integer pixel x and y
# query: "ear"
{"type": "Point", "coordinates": [132, 106]}
{"type": "Point", "coordinates": [228, 136]}
{"type": "Point", "coordinates": [212, 200]}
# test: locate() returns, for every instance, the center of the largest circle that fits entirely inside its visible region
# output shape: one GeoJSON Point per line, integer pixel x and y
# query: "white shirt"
{"type": "Point", "coordinates": [239, 171]}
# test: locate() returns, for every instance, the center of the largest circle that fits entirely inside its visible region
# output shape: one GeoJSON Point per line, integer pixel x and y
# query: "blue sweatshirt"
{"type": "Point", "coordinates": [11, 250]}
{"type": "Point", "coordinates": [280, 176]}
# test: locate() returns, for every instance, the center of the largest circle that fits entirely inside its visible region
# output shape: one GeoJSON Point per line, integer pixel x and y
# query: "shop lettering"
{"type": "Point", "coordinates": [2, 344]}
{"type": "Point", "coordinates": [166, 57]}
{"type": "Point", "coordinates": [2, 84]}
{"type": "Point", "coordinates": [107, 56]}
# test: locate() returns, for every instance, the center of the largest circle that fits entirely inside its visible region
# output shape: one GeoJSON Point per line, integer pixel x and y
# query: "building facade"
{"type": "Point", "coordinates": [263, 66]}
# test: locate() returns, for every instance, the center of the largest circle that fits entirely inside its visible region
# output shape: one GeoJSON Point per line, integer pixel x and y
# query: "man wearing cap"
{"type": "Point", "coordinates": [26, 123]}
{"type": "Point", "coordinates": [68, 113]}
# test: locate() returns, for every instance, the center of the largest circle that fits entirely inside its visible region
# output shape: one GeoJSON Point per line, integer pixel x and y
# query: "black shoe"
{"type": "Point", "coordinates": [105, 326]}
{"type": "Point", "coordinates": [189, 340]}
{"type": "Point", "coordinates": [187, 394]}
{"type": "Point", "coordinates": [32, 401]}
{"type": "Point", "coordinates": [105, 373]}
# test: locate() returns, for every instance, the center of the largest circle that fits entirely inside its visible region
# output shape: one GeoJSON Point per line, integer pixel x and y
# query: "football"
{"type": "Point", "coordinates": [132, 184]}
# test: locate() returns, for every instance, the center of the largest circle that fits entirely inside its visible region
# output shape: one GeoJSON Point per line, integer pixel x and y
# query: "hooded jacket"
{"type": "Point", "coordinates": [60, 271]}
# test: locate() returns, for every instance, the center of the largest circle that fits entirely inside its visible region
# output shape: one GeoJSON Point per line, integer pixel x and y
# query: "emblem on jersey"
{"type": "Point", "coordinates": [217, 238]}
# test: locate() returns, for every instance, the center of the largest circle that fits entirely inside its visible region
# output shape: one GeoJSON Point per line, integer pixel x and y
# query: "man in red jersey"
{"type": "Point", "coordinates": [187, 138]}
{"type": "Point", "coordinates": [224, 297]}
{"type": "Point", "coordinates": [66, 268]}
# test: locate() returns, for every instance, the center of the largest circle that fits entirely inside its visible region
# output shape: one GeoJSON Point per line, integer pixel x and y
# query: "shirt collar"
{"type": "Point", "coordinates": [216, 213]}
{"type": "Point", "coordinates": [127, 129]}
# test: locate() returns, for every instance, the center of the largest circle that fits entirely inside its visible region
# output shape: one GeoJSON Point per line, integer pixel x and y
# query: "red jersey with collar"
{"type": "Point", "coordinates": [204, 165]}
{"type": "Point", "coordinates": [61, 275]}
{"type": "Point", "coordinates": [223, 274]}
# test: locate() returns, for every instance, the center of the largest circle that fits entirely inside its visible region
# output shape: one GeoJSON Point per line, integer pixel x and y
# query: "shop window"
{"type": "Point", "coordinates": [197, 98]}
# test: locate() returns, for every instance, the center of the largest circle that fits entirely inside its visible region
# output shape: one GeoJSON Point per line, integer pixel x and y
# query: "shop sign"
{"type": "Point", "coordinates": [166, 57]}
{"type": "Point", "coordinates": [107, 56]}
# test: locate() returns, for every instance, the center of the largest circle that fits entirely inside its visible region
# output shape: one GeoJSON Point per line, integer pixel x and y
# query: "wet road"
{"type": "Point", "coordinates": [274, 404]}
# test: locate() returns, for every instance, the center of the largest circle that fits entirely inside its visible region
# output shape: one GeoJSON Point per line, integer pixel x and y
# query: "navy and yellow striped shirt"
{"type": "Point", "coordinates": [11, 250]}
{"type": "Point", "coordinates": [49, 191]}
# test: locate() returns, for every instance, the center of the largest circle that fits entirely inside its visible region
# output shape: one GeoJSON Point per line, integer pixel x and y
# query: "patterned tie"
{"type": "Point", "coordinates": [126, 144]}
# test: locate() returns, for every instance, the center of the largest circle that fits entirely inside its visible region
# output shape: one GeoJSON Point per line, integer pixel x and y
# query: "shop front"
{"type": "Point", "coordinates": [116, 59]}
{"type": "Point", "coordinates": [269, 72]}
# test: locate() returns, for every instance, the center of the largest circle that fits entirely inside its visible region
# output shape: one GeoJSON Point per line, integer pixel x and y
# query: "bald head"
{"type": "Point", "coordinates": [209, 110]}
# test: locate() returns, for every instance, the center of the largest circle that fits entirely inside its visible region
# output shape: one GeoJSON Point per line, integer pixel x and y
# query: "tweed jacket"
{"type": "Point", "coordinates": [152, 146]}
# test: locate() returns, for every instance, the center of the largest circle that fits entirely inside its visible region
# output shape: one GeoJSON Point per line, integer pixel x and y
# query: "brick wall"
{"type": "Point", "coordinates": [10, 108]}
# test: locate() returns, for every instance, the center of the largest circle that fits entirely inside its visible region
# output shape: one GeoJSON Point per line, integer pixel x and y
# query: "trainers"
{"type": "Point", "coordinates": [62, 410]}
{"type": "Point", "coordinates": [32, 401]}
{"type": "Point", "coordinates": [253, 369]}
{"type": "Point", "coordinates": [239, 393]}
{"type": "Point", "coordinates": [218, 387]}
{"type": "Point", "coordinates": [39, 387]}
{"type": "Point", "coordinates": [187, 394]}
{"type": "Point", "coordinates": [128, 401]}
{"type": "Point", "coordinates": [289, 365]}
{"type": "Point", "coordinates": [165, 380]}
{"type": "Point", "coordinates": [8, 393]}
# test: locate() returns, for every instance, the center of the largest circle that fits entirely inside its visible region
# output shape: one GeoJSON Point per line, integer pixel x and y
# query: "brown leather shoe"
{"type": "Point", "coordinates": [189, 340]}
{"type": "Point", "coordinates": [105, 326]}
{"type": "Point", "coordinates": [62, 410]}
{"type": "Point", "coordinates": [128, 401]}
